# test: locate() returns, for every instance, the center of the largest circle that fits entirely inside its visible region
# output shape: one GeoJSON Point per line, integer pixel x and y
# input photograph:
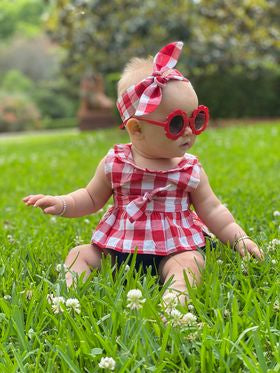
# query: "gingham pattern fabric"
{"type": "Point", "coordinates": [145, 97]}
{"type": "Point", "coordinates": [151, 210]}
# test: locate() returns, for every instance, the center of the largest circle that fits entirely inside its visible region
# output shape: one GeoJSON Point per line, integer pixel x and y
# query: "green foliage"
{"type": "Point", "coordinates": [30, 64]}
{"type": "Point", "coordinates": [65, 122]}
{"type": "Point", "coordinates": [237, 33]}
{"type": "Point", "coordinates": [237, 94]}
{"type": "Point", "coordinates": [236, 303]}
{"type": "Point", "coordinates": [104, 35]}
{"type": "Point", "coordinates": [22, 16]}
{"type": "Point", "coordinates": [36, 57]}
{"type": "Point", "coordinates": [56, 98]}
{"type": "Point", "coordinates": [25, 101]}
{"type": "Point", "coordinates": [15, 81]}
{"type": "Point", "coordinates": [227, 44]}
{"type": "Point", "coordinates": [18, 113]}
{"type": "Point", "coordinates": [107, 34]}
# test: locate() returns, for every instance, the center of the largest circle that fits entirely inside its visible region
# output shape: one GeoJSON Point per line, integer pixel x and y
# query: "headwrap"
{"type": "Point", "coordinates": [144, 97]}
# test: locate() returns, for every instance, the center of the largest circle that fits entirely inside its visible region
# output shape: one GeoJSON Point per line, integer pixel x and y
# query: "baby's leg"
{"type": "Point", "coordinates": [81, 259]}
{"type": "Point", "coordinates": [190, 262]}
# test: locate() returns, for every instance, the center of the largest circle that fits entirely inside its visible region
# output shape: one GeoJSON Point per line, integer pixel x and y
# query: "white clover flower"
{"type": "Point", "coordinates": [170, 301]}
{"type": "Point", "coordinates": [87, 221]}
{"type": "Point", "coordinates": [30, 333]}
{"type": "Point", "coordinates": [7, 297]}
{"type": "Point", "coordinates": [273, 261]}
{"type": "Point", "coordinates": [78, 240]}
{"type": "Point", "coordinates": [28, 294]}
{"type": "Point", "coordinates": [135, 300]}
{"type": "Point", "coordinates": [276, 306]}
{"type": "Point", "coordinates": [73, 304]}
{"type": "Point", "coordinates": [190, 307]}
{"type": "Point", "coordinates": [11, 238]}
{"type": "Point", "coordinates": [189, 319]}
{"type": "Point", "coordinates": [226, 313]}
{"type": "Point", "coordinates": [176, 317]}
{"type": "Point", "coordinates": [61, 268]}
{"type": "Point", "coordinates": [272, 245]}
{"type": "Point", "coordinates": [56, 304]}
{"type": "Point", "coordinates": [219, 261]}
{"type": "Point", "coordinates": [107, 363]}
{"type": "Point", "coordinates": [276, 213]}
{"type": "Point", "coordinates": [192, 337]}
{"type": "Point", "coordinates": [244, 268]}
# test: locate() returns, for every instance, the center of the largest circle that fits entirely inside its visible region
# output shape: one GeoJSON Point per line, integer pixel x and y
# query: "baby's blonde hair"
{"type": "Point", "coordinates": [134, 71]}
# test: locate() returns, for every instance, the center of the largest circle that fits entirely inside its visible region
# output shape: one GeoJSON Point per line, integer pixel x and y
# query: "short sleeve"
{"type": "Point", "coordinates": [194, 174]}
{"type": "Point", "coordinates": [108, 165]}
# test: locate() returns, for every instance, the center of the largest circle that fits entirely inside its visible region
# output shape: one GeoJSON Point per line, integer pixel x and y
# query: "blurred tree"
{"type": "Point", "coordinates": [20, 16]}
{"type": "Point", "coordinates": [36, 57]}
{"type": "Point", "coordinates": [239, 34]}
{"type": "Point", "coordinates": [103, 34]}
{"type": "Point", "coordinates": [30, 66]}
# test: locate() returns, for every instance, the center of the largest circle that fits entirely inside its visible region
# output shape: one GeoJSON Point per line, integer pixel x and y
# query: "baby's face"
{"type": "Point", "coordinates": [155, 144]}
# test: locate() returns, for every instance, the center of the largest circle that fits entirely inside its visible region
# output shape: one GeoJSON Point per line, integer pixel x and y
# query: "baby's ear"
{"type": "Point", "coordinates": [134, 128]}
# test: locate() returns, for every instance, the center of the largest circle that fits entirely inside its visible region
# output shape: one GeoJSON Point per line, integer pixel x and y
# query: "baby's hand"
{"type": "Point", "coordinates": [248, 245]}
{"type": "Point", "coordinates": [49, 204]}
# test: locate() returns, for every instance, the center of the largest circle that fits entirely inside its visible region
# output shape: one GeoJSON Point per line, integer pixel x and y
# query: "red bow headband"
{"type": "Point", "coordinates": [144, 97]}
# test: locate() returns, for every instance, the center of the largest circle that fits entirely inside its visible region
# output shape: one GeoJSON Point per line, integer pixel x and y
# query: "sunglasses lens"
{"type": "Point", "coordinates": [200, 120]}
{"type": "Point", "coordinates": [176, 124]}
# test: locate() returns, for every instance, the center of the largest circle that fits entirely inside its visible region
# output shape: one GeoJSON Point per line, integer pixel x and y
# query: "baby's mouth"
{"type": "Point", "coordinates": [185, 143]}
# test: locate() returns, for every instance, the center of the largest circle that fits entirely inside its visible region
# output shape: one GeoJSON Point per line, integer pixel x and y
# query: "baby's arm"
{"type": "Point", "coordinates": [81, 202]}
{"type": "Point", "coordinates": [218, 218]}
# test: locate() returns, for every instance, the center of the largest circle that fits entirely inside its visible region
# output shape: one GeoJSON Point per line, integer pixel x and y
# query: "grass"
{"type": "Point", "coordinates": [235, 305]}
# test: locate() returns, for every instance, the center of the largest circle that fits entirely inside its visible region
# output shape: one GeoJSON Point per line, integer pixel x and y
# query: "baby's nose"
{"type": "Point", "coordinates": [188, 131]}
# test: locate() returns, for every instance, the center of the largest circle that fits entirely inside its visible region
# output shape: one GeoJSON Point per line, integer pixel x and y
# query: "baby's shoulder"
{"type": "Point", "coordinates": [119, 152]}
{"type": "Point", "coordinates": [191, 159]}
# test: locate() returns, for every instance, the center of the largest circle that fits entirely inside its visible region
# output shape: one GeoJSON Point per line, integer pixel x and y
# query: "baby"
{"type": "Point", "coordinates": [154, 182]}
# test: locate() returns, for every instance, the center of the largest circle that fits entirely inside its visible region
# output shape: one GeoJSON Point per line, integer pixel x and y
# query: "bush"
{"type": "Point", "coordinates": [56, 99]}
{"type": "Point", "coordinates": [49, 123]}
{"type": "Point", "coordinates": [18, 113]}
{"type": "Point", "coordinates": [37, 58]}
{"type": "Point", "coordinates": [239, 94]}
{"type": "Point", "coordinates": [16, 81]}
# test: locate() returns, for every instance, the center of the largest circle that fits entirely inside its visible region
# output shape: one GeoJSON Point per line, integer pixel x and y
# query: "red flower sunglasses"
{"type": "Point", "coordinates": [177, 121]}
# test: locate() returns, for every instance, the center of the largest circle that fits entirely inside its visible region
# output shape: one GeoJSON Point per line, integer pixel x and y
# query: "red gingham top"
{"type": "Point", "coordinates": [151, 209]}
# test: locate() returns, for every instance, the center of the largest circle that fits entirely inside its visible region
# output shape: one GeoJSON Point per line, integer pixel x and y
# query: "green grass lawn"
{"type": "Point", "coordinates": [237, 304]}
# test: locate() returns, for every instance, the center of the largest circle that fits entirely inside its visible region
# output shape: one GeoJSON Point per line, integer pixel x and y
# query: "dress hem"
{"type": "Point", "coordinates": [156, 252]}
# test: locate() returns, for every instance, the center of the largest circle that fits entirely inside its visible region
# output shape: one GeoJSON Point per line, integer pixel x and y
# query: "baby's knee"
{"type": "Point", "coordinates": [76, 252]}
{"type": "Point", "coordinates": [82, 252]}
{"type": "Point", "coordinates": [199, 260]}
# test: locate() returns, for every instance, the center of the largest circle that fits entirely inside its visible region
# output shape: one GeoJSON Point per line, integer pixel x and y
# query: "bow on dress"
{"type": "Point", "coordinates": [137, 207]}
{"type": "Point", "coordinates": [145, 97]}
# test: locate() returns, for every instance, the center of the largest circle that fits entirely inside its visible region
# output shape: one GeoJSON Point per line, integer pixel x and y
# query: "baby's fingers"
{"type": "Point", "coordinates": [45, 201]}
{"type": "Point", "coordinates": [256, 252]}
{"type": "Point", "coordinates": [51, 210]}
{"type": "Point", "coordinates": [32, 199]}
